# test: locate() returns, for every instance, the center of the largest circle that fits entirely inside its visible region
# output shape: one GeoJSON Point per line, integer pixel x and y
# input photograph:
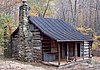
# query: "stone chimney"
{"type": "Point", "coordinates": [24, 50]}
{"type": "Point", "coordinates": [23, 12]}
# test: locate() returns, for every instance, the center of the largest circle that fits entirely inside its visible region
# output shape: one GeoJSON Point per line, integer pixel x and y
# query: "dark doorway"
{"type": "Point", "coordinates": [71, 51]}
{"type": "Point", "coordinates": [78, 49]}
{"type": "Point", "coordinates": [65, 48]}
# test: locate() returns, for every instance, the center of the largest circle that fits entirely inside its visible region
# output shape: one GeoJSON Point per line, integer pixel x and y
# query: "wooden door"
{"type": "Point", "coordinates": [71, 47]}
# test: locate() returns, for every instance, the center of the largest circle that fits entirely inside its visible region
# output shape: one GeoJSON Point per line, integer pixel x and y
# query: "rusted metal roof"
{"type": "Point", "coordinates": [58, 29]}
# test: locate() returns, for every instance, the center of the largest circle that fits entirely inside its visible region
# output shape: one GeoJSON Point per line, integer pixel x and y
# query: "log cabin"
{"type": "Point", "coordinates": [48, 40]}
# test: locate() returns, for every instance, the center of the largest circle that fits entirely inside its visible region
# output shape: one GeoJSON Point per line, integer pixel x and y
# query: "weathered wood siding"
{"type": "Point", "coordinates": [81, 49]}
{"type": "Point", "coordinates": [36, 43]}
{"type": "Point", "coordinates": [86, 50]}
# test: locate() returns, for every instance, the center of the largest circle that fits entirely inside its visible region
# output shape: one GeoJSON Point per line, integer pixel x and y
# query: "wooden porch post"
{"type": "Point", "coordinates": [42, 53]}
{"type": "Point", "coordinates": [67, 51]}
{"type": "Point", "coordinates": [62, 46]}
{"type": "Point", "coordinates": [75, 51]}
{"type": "Point", "coordinates": [58, 54]}
{"type": "Point", "coordinates": [89, 51]}
{"type": "Point", "coordinates": [83, 50]}
{"type": "Point", "coordinates": [90, 45]}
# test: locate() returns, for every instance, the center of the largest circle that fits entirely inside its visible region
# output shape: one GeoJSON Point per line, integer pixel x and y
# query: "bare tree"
{"type": "Point", "coordinates": [46, 8]}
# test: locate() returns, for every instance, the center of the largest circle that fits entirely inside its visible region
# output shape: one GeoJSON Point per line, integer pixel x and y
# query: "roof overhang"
{"type": "Point", "coordinates": [74, 40]}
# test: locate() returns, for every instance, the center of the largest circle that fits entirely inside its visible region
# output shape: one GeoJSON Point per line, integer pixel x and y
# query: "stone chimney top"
{"type": "Point", "coordinates": [24, 1]}
{"type": "Point", "coordinates": [24, 11]}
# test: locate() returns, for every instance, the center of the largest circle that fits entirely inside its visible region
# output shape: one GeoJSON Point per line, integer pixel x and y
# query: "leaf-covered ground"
{"type": "Point", "coordinates": [11, 64]}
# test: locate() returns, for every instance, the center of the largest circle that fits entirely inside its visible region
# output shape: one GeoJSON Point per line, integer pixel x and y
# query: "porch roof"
{"type": "Point", "coordinates": [58, 29]}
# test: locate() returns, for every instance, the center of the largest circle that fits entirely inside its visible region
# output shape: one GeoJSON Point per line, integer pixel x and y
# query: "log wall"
{"type": "Point", "coordinates": [36, 44]}
{"type": "Point", "coordinates": [84, 50]}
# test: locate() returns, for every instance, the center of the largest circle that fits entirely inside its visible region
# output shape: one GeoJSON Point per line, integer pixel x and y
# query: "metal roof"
{"type": "Point", "coordinates": [58, 29]}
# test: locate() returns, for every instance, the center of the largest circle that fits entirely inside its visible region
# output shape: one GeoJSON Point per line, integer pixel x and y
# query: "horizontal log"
{"type": "Point", "coordinates": [86, 53]}
{"type": "Point", "coordinates": [46, 42]}
{"type": "Point", "coordinates": [46, 49]}
{"type": "Point", "coordinates": [36, 41]}
{"type": "Point", "coordinates": [36, 33]}
{"type": "Point", "coordinates": [37, 50]}
{"type": "Point", "coordinates": [36, 29]}
{"type": "Point", "coordinates": [46, 46]}
{"type": "Point", "coordinates": [86, 42]}
{"type": "Point", "coordinates": [37, 47]}
{"type": "Point", "coordinates": [86, 47]}
{"type": "Point", "coordinates": [36, 37]}
{"type": "Point", "coordinates": [86, 50]}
